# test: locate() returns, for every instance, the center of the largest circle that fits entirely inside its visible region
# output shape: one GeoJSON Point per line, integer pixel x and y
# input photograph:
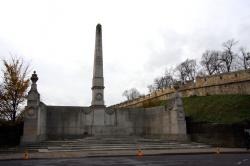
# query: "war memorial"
{"type": "Point", "coordinates": [45, 122]}
{"type": "Point", "coordinates": [114, 135]}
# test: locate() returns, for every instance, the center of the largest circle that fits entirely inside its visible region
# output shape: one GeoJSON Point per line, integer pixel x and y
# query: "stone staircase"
{"type": "Point", "coordinates": [111, 144]}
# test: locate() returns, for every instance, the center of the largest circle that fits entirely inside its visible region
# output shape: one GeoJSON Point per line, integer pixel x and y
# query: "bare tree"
{"type": "Point", "coordinates": [151, 88]}
{"type": "Point", "coordinates": [158, 83]}
{"type": "Point", "coordinates": [187, 70]}
{"type": "Point", "coordinates": [131, 94]}
{"type": "Point", "coordinates": [211, 63]}
{"type": "Point", "coordinates": [244, 58]}
{"type": "Point", "coordinates": [169, 77]}
{"type": "Point", "coordinates": [228, 55]}
{"type": "Point", "coordinates": [165, 81]}
{"type": "Point", "coordinates": [13, 88]}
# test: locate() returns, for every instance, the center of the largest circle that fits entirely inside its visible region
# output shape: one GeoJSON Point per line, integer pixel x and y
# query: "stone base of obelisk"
{"type": "Point", "coordinates": [98, 116]}
{"type": "Point", "coordinates": [103, 123]}
{"type": "Point", "coordinates": [98, 126]}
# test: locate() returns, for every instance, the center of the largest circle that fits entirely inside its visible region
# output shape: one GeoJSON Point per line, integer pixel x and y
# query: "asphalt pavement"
{"type": "Point", "coordinates": [167, 160]}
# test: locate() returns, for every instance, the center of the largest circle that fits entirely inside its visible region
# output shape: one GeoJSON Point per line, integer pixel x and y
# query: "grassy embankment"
{"type": "Point", "coordinates": [225, 109]}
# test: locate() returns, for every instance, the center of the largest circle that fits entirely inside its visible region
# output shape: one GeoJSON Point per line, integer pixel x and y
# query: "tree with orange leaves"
{"type": "Point", "coordinates": [13, 87]}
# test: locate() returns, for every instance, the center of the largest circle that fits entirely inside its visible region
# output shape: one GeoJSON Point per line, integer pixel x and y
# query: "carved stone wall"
{"type": "Point", "coordinates": [44, 122]}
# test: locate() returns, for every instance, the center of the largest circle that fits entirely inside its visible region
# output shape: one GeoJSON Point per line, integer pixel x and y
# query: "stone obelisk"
{"type": "Point", "coordinates": [98, 81]}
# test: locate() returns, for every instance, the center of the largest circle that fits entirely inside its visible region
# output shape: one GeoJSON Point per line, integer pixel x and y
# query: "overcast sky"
{"type": "Point", "coordinates": [140, 40]}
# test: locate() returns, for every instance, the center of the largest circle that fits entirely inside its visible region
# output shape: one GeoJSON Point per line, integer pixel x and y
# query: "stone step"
{"type": "Point", "coordinates": [110, 148]}
{"type": "Point", "coordinates": [132, 147]}
{"type": "Point", "coordinates": [108, 141]}
{"type": "Point", "coordinates": [121, 144]}
{"type": "Point", "coordinates": [111, 143]}
{"type": "Point", "coordinates": [116, 145]}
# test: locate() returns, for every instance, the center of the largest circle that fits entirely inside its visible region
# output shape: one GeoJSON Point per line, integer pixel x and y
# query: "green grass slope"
{"type": "Point", "coordinates": [226, 109]}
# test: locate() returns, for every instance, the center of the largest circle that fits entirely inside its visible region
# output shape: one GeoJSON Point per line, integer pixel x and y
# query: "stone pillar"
{"type": "Point", "coordinates": [31, 114]}
{"type": "Point", "coordinates": [97, 126]}
{"type": "Point", "coordinates": [33, 95]}
{"type": "Point", "coordinates": [177, 115]}
{"type": "Point", "coordinates": [98, 81]}
{"type": "Point", "coordinates": [178, 110]}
